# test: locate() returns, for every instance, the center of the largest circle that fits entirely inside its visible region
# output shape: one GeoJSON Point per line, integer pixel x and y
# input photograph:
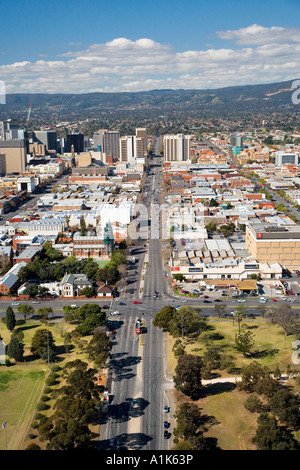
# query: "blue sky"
{"type": "Point", "coordinates": [77, 46]}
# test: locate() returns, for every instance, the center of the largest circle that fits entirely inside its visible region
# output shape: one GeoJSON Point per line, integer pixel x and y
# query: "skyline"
{"type": "Point", "coordinates": [65, 48]}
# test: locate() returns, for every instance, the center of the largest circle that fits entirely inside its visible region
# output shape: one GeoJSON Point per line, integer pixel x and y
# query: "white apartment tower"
{"type": "Point", "coordinates": [177, 148]}
{"type": "Point", "coordinates": [131, 147]}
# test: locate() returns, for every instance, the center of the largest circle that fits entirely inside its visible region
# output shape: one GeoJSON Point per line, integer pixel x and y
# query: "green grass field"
{"type": "Point", "coordinates": [20, 389]}
{"type": "Point", "coordinates": [236, 426]}
{"type": "Point", "coordinates": [21, 384]}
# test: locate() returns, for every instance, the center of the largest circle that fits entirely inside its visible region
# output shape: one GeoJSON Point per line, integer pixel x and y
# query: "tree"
{"type": "Point", "coordinates": [252, 375]}
{"type": "Point", "coordinates": [186, 321]}
{"type": "Point", "coordinates": [285, 317]}
{"type": "Point", "coordinates": [99, 348]}
{"type": "Point", "coordinates": [188, 375]}
{"type": "Point", "coordinates": [15, 348]}
{"type": "Point", "coordinates": [254, 404]}
{"type": "Point", "coordinates": [163, 317]}
{"type": "Point", "coordinates": [88, 291]}
{"type": "Point", "coordinates": [42, 342]}
{"type": "Point", "coordinates": [270, 436]}
{"type": "Point", "coordinates": [83, 229]}
{"type": "Point", "coordinates": [220, 309]}
{"type": "Point", "coordinates": [10, 319]}
{"type": "Point", "coordinates": [26, 310]}
{"type": "Point", "coordinates": [244, 341]}
{"type": "Point", "coordinates": [240, 312]}
{"type": "Point", "coordinates": [285, 406]}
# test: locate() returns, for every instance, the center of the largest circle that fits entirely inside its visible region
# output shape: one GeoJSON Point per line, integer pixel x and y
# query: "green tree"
{"type": "Point", "coordinates": [10, 318]}
{"type": "Point", "coordinates": [15, 348]}
{"type": "Point", "coordinates": [188, 375]}
{"type": "Point", "coordinates": [25, 310]}
{"type": "Point", "coordinates": [270, 436]}
{"type": "Point", "coordinates": [83, 229]}
{"type": "Point", "coordinates": [42, 342]}
{"type": "Point", "coordinates": [87, 291]}
{"type": "Point", "coordinates": [99, 348]}
{"type": "Point", "coordinates": [163, 317]}
{"type": "Point", "coordinates": [244, 341]}
{"type": "Point", "coordinates": [186, 321]}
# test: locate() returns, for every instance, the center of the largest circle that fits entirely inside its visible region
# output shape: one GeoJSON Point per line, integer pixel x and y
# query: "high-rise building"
{"type": "Point", "coordinates": [15, 155]}
{"type": "Point", "coordinates": [47, 138]}
{"type": "Point", "coordinates": [142, 132]}
{"type": "Point", "coordinates": [177, 148]}
{"type": "Point", "coordinates": [131, 148]}
{"type": "Point", "coordinates": [2, 164]}
{"type": "Point", "coordinates": [107, 142]}
{"type": "Point", "coordinates": [9, 129]}
{"type": "Point", "coordinates": [285, 158]}
{"type": "Point", "coordinates": [236, 140]}
{"type": "Point", "coordinates": [75, 141]}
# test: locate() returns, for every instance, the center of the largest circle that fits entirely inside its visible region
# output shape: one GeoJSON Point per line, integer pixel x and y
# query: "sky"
{"type": "Point", "coordinates": [127, 46]}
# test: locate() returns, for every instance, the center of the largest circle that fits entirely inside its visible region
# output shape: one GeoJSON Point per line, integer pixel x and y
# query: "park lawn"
{"type": "Point", "coordinates": [271, 348]}
{"type": "Point", "coordinates": [236, 426]}
{"type": "Point", "coordinates": [21, 384]}
{"type": "Point", "coordinates": [235, 429]}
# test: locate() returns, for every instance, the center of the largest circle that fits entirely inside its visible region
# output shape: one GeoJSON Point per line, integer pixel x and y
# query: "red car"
{"type": "Point", "coordinates": [275, 300]}
{"type": "Point", "coordinates": [137, 302]}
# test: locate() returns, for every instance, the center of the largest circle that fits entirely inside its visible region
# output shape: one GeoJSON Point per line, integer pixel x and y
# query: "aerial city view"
{"type": "Point", "coordinates": [150, 228]}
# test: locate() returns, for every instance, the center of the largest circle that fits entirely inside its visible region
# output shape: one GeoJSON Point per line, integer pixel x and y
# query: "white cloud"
{"type": "Point", "coordinates": [126, 65]}
{"type": "Point", "coordinates": [256, 34]}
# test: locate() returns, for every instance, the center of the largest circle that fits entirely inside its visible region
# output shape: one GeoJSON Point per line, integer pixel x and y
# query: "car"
{"type": "Point", "coordinates": [106, 307]}
{"type": "Point", "coordinates": [137, 302]}
{"type": "Point", "coordinates": [115, 312]}
{"type": "Point", "coordinates": [74, 305]}
{"type": "Point", "coordinates": [15, 303]}
{"type": "Point", "coordinates": [166, 424]}
{"type": "Point", "coordinates": [218, 300]}
{"type": "Point", "coordinates": [121, 303]}
{"type": "Point", "coordinates": [206, 297]}
{"type": "Point", "coordinates": [241, 300]}
{"type": "Point", "coordinates": [166, 409]}
{"type": "Point", "coordinates": [275, 300]}
{"type": "Point", "coordinates": [184, 300]}
{"type": "Point", "coordinates": [177, 307]}
{"type": "Point", "coordinates": [166, 434]}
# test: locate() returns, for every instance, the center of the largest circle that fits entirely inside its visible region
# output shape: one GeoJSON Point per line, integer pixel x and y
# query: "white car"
{"type": "Point", "coordinates": [115, 313]}
{"type": "Point", "coordinates": [241, 300]}
{"type": "Point", "coordinates": [15, 303]}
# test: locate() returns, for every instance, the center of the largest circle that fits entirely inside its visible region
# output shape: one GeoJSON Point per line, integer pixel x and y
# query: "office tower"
{"type": "Point", "coordinates": [47, 138]}
{"type": "Point", "coordinates": [236, 140]}
{"type": "Point", "coordinates": [131, 148]}
{"type": "Point", "coordinates": [142, 132]}
{"type": "Point", "coordinates": [285, 158]}
{"type": "Point", "coordinates": [107, 142]}
{"type": "Point", "coordinates": [2, 164]}
{"type": "Point", "coordinates": [15, 155]}
{"type": "Point", "coordinates": [75, 140]}
{"type": "Point", "coordinates": [177, 148]}
{"type": "Point", "coordinates": [9, 129]}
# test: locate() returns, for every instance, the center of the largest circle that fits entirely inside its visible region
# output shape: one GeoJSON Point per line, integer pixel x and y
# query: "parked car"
{"type": "Point", "coordinates": [275, 300]}
{"type": "Point", "coordinates": [137, 302]}
{"type": "Point", "coordinates": [166, 424]}
{"type": "Point", "coordinates": [166, 434]}
{"type": "Point", "coordinates": [166, 409]}
{"type": "Point", "coordinates": [121, 303]}
{"type": "Point", "coordinates": [105, 307]}
{"type": "Point", "coordinates": [206, 297]}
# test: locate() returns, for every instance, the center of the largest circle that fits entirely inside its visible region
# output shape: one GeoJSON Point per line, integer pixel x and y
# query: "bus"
{"type": "Point", "coordinates": [138, 326]}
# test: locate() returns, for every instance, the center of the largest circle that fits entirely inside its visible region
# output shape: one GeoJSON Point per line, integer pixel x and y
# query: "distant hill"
{"type": "Point", "coordinates": [246, 98]}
